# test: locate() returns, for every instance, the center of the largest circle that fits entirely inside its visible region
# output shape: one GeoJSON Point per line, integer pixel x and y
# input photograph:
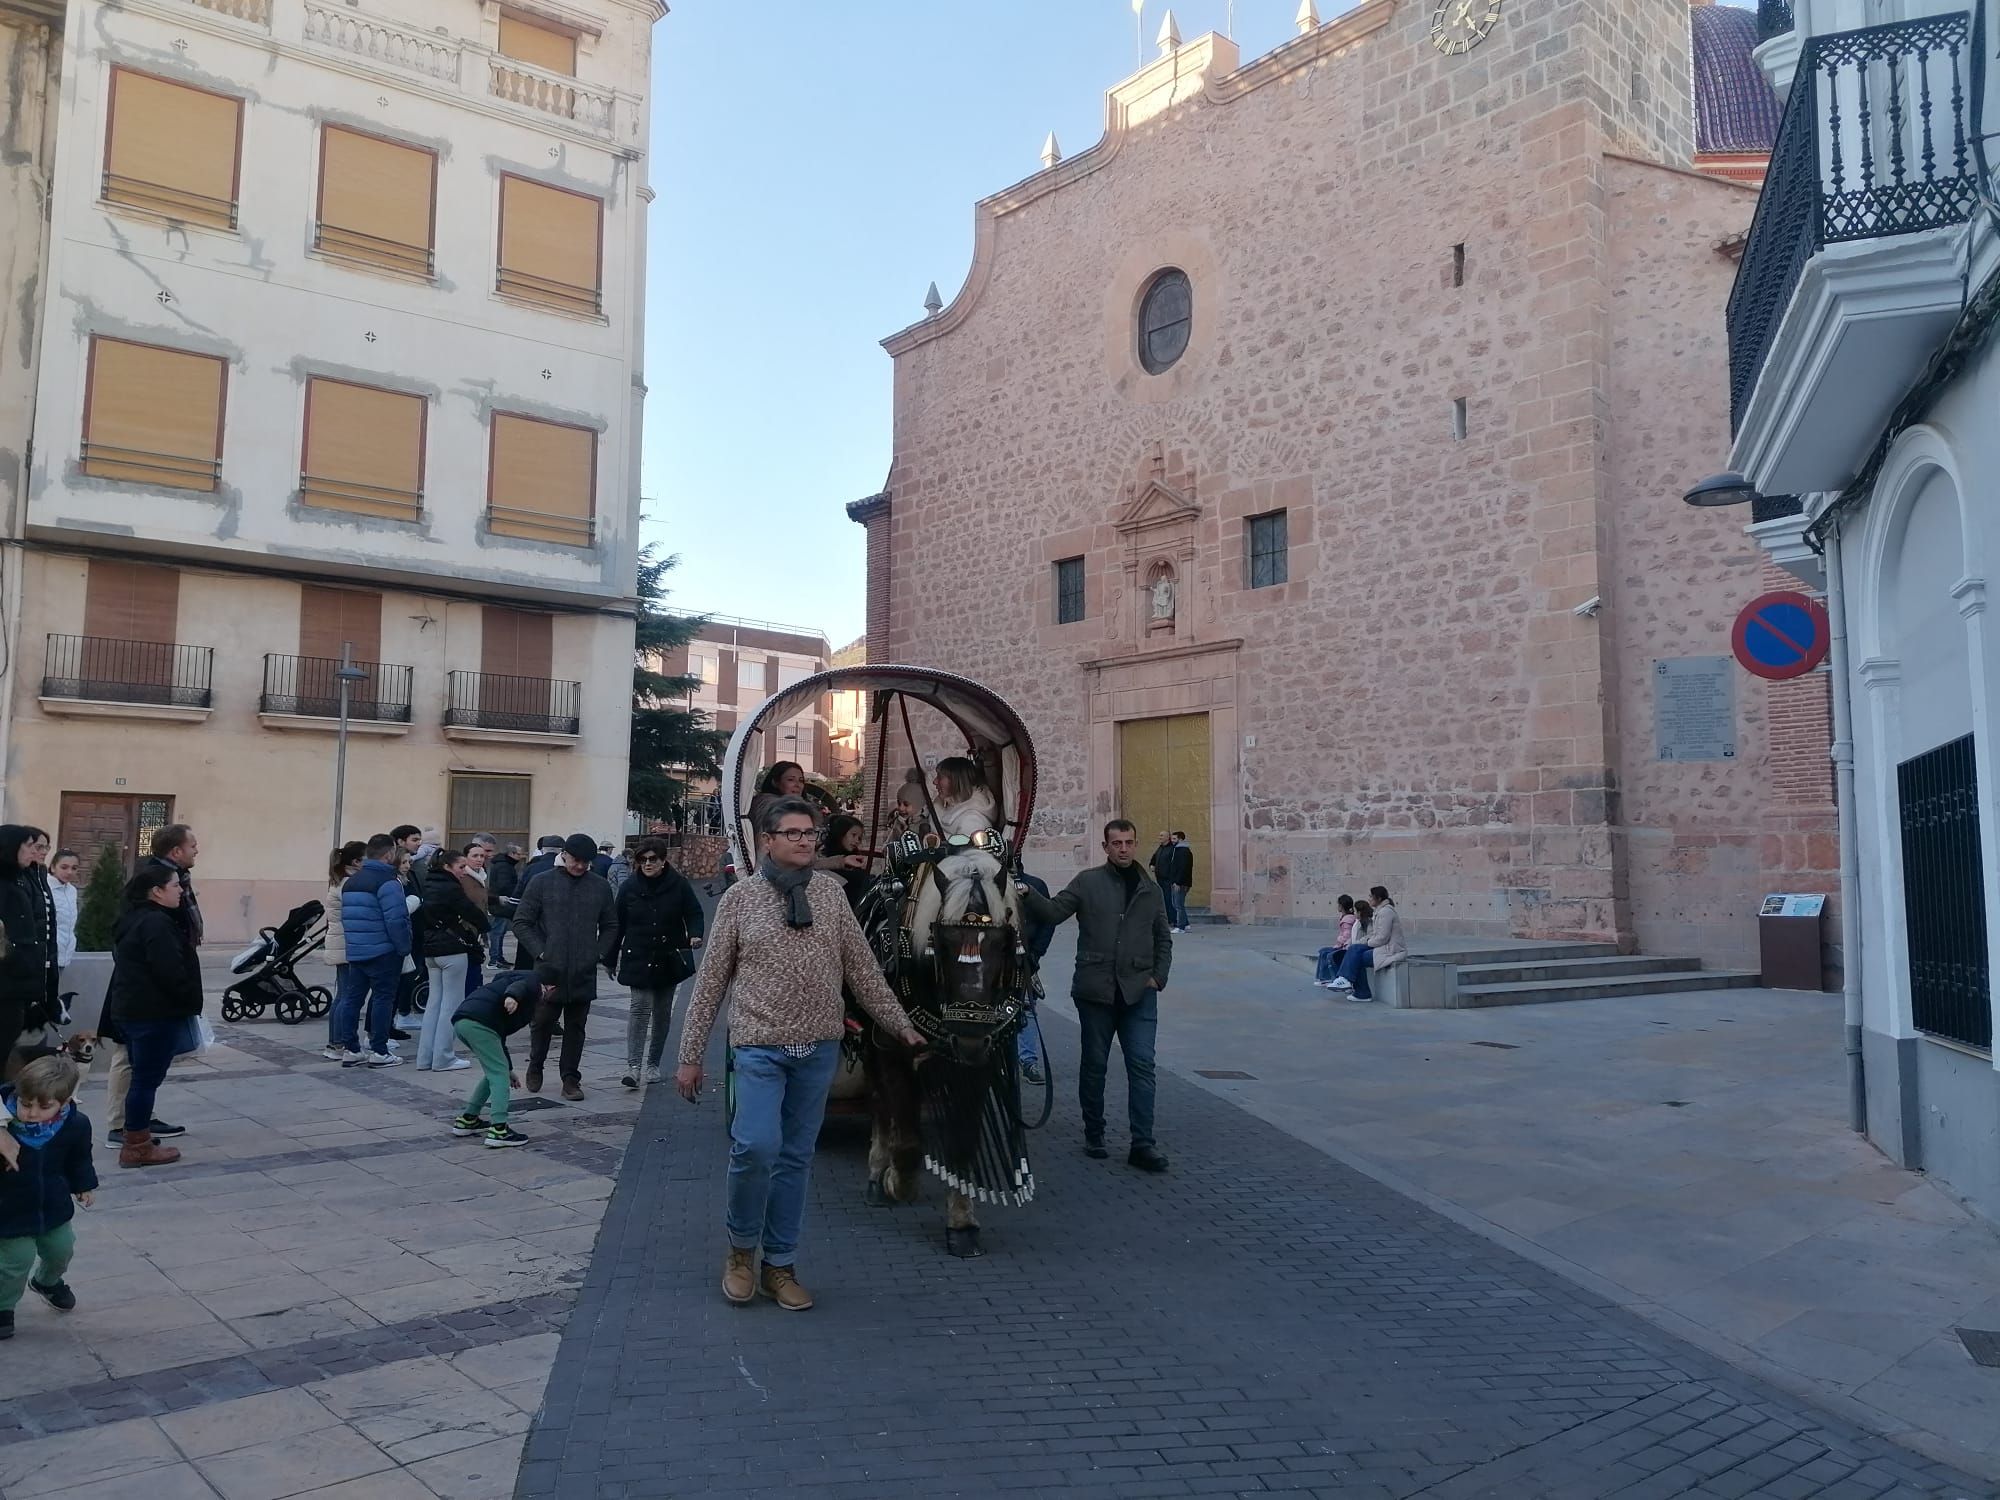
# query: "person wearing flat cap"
{"type": "Point", "coordinates": [567, 917]}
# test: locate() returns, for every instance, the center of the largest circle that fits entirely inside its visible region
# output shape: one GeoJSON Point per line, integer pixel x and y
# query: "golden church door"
{"type": "Point", "coordinates": [1163, 770]}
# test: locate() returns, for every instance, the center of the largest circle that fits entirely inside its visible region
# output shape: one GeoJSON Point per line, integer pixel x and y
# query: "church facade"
{"type": "Point", "coordinates": [1304, 460]}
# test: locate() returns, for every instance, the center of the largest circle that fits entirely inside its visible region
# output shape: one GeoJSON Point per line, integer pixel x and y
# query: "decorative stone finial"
{"type": "Point", "coordinates": [1051, 152]}
{"type": "Point", "coordinates": [933, 303]}
{"type": "Point", "coordinates": [1308, 17]}
{"type": "Point", "coordinates": [1169, 39]}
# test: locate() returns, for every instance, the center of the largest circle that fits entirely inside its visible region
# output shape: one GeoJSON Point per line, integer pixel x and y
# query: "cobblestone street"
{"type": "Point", "coordinates": [1263, 1319]}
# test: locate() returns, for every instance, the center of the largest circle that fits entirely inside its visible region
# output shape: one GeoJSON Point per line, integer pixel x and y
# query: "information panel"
{"type": "Point", "coordinates": [1694, 708]}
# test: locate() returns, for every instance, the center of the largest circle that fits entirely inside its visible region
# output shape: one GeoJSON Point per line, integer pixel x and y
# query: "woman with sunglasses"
{"type": "Point", "coordinates": [659, 927]}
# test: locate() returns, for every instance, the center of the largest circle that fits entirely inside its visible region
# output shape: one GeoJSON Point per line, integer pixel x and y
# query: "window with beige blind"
{"type": "Point", "coordinates": [537, 44]}
{"type": "Point", "coordinates": [551, 245]}
{"type": "Point", "coordinates": [152, 415]}
{"type": "Point", "coordinates": [364, 450]}
{"type": "Point", "coordinates": [332, 618]}
{"type": "Point", "coordinates": [130, 614]}
{"type": "Point", "coordinates": [171, 149]}
{"type": "Point", "coordinates": [482, 802]}
{"type": "Point", "coordinates": [542, 483]}
{"type": "Point", "coordinates": [377, 201]}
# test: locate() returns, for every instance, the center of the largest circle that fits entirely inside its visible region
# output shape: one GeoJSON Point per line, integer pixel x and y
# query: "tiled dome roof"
{"type": "Point", "coordinates": [1734, 107]}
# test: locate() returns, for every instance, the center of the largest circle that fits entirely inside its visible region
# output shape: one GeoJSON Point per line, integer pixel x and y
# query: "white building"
{"type": "Point", "coordinates": [1866, 385]}
{"type": "Point", "coordinates": [739, 663]}
{"type": "Point", "coordinates": [341, 347]}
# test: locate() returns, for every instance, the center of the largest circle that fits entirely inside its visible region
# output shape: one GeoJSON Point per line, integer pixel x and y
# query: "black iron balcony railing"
{"type": "Point", "coordinates": [1874, 143]}
{"type": "Point", "coordinates": [1774, 18]}
{"type": "Point", "coordinates": [524, 705]}
{"type": "Point", "coordinates": [95, 669]}
{"type": "Point", "coordinates": [309, 687]}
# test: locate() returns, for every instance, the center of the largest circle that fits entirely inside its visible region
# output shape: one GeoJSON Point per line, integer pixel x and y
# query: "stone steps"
{"type": "Point", "coordinates": [1607, 965]}
{"type": "Point", "coordinates": [1644, 981]}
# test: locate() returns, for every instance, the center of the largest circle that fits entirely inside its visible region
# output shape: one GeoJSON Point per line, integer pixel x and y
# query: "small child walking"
{"type": "Point", "coordinates": [483, 1021]}
{"type": "Point", "coordinates": [52, 1173]}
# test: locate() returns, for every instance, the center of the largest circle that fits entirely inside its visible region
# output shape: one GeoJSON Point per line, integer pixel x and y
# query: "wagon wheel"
{"type": "Point", "coordinates": [729, 1088]}
{"type": "Point", "coordinates": [1047, 1087]}
{"type": "Point", "coordinates": [319, 1000]}
{"type": "Point", "coordinates": [291, 1008]}
{"type": "Point", "coordinates": [233, 1008]}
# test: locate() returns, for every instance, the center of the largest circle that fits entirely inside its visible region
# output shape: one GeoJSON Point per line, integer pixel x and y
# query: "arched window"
{"type": "Point", "coordinates": [1166, 317]}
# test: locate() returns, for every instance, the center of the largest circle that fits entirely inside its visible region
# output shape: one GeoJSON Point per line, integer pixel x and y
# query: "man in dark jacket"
{"type": "Point", "coordinates": [1182, 882]}
{"type": "Point", "coordinates": [566, 918]}
{"type": "Point", "coordinates": [1123, 952]}
{"type": "Point", "coordinates": [176, 847]}
{"type": "Point", "coordinates": [503, 884]}
{"type": "Point", "coordinates": [375, 918]}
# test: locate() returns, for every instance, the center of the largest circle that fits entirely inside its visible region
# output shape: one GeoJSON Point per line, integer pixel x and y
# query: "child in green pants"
{"type": "Point", "coordinates": [483, 1021]}
{"type": "Point", "coordinates": [52, 1173]}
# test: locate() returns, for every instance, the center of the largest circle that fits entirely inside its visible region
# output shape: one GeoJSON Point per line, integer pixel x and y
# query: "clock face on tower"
{"type": "Point", "coordinates": [1460, 25]}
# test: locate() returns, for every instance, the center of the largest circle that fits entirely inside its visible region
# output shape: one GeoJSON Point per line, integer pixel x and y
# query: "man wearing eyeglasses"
{"type": "Point", "coordinates": [566, 918]}
{"type": "Point", "coordinates": [781, 945]}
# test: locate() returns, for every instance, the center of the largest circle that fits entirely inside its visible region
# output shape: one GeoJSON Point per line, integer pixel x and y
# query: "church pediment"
{"type": "Point", "coordinates": [1156, 504]}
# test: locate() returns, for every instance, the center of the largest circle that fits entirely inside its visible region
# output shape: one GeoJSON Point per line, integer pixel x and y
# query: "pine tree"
{"type": "Point", "coordinates": [669, 739]}
{"type": "Point", "coordinates": [97, 911]}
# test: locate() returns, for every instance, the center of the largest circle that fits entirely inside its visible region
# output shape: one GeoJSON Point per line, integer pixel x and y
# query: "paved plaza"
{"type": "Point", "coordinates": [1387, 1263]}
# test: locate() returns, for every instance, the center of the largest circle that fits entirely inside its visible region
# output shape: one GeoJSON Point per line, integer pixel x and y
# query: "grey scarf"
{"type": "Point", "coordinates": [791, 885]}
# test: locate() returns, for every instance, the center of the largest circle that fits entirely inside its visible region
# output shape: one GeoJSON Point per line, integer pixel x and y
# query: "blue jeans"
{"type": "Point", "coordinates": [1027, 1044]}
{"type": "Point", "coordinates": [1135, 1024]}
{"type": "Point", "coordinates": [1329, 964]}
{"type": "Point", "coordinates": [780, 1104]}
{"type": "Point", "coordinates": [1354, 969]}
{"type": "Point", "coordinates": [333, 1010]}
{"type": "Point", "coordinates": [373, 980]}
{"type": "Point", "coordinates": [1176, 905]}
{"type": "Point", "coordinates": [150, 1049]}
{"type": "Point", "coordinates": [496, 941]}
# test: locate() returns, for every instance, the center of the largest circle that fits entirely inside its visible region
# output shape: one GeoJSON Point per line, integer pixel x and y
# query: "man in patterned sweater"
{"type": "Point", "coordinates": [785, 940]}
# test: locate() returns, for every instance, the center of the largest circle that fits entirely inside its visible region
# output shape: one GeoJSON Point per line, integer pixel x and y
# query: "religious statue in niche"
{"type": "Point", "coordinates": [1160, 588]}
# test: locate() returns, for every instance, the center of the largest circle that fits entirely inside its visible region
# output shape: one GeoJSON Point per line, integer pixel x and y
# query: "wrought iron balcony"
{"type": "Point", "coordinates": [306, 686]}
{"type": "Point", "coordinates": [520, 705]}
{"type": "Point", "coordinates": [93, 669]}
{"type": "Point", "coordinates": [1874, 144]}
{"type": "Point", "coordinates": [1774, 18]}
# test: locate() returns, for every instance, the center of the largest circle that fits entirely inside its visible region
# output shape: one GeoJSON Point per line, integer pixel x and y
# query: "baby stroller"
{"type": "Point", "coordinates": [268, 967]}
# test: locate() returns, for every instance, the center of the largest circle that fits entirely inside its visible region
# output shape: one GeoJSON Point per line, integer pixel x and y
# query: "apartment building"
{"type": "Point", "coordinates": [341, 355]}
{"type": "Point", "coordinates": [740, 663]}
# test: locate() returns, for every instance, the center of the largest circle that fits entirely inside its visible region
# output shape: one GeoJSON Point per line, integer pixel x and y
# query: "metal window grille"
{"type": "Point", "coordinates": [564, 295]}
{"type": "Point", "coordinates": [1268, 550]}
{"type": "Point", "coordinates": [1069, 591]}
{"type": "Point", "coordinates": [1944, 894]}
{"type": "Point", "coordinates": [372, 249]}
{"type": "Point", "coordinates": [1166, 319]}
{"type": "Point", "coordinates": [308, 687]}
{"type": "Point", "coordinates": [1774, 18]}
{"type": "Point", "coordinates": [480, 803]}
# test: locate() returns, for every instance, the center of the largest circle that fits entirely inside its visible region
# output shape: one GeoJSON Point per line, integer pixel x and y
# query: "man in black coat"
{"type": "Point", "coordinates": [566, 918]}
{"type": "Point", "coordinates": [1124, 950]}
{"type": "Point", "coordinates": [503, 884]}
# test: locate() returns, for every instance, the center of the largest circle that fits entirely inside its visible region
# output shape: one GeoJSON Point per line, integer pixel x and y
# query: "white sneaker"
{"type": "Point", "coordinates": [1340, 984]}
{"type": "Point", "coordinates": [1360, 999]}
{"type": "Point", "coordinates": [384, 1060]}
{"type": "Point", "coordinates": [454, 1065]}
{"type": "Point", "coordinates": [653, 1075]}
{"type": "Point", "coordinates": [335, 1054]}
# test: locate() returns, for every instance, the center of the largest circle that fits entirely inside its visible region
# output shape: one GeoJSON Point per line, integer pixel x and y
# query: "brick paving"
{"type": "Point", "coordinates": [1263, 1320]}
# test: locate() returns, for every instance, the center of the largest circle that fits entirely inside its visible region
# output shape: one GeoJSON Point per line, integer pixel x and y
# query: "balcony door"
{"type": "Point", "coordinates": [130, 613]}
{"type": "Point", "coordinates": [330, 619]}
{"type": "Point", "coordinates": [517, 658]}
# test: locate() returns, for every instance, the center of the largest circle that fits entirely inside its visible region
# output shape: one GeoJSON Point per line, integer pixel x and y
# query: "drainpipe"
{"type": "Point", "coordinates": [1850, 850]}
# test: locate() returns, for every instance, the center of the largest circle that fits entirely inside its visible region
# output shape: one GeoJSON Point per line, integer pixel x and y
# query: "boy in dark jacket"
{"type": "Point", "coordinates": [484, 1021]}
{"type": "Point", "coordinates": [53, 1168]}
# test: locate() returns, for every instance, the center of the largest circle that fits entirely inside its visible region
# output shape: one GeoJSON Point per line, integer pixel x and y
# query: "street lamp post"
{"type": "Point", "coordinates": [345, 675]}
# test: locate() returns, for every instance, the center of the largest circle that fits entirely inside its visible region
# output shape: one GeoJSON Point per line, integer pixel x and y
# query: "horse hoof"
{"type": "Point", "coordinates": [876, 1197]}
{"type": "Point", "coordinates": [964, 1243]}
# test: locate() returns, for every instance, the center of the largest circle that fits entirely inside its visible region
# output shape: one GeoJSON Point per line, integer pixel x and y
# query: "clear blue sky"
{"type": "Point", "coordinates": [816, 163]}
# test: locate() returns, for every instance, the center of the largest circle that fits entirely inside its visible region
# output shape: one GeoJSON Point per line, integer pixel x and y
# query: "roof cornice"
{"type": "Point", "coordinates": [1302, 52]}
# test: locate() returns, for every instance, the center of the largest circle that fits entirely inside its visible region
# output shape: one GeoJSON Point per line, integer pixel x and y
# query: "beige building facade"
{"type": "Point", "coordinates": [342, 326]}
{"type": "Point", "coordinates": [1343, 398]}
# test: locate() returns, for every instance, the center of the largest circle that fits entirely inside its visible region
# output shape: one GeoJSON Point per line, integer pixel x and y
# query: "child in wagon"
{"type": "Point", "coordinates": [965, 807]}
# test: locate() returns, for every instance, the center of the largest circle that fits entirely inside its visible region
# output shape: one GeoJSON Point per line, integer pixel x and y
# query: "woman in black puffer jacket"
{"type": "Point", "coordinates": [451, 930]}
{"type": "Point", "coordinates": [28, 915]}
{"type": "Point", "coordinates": [659, 926]}
{"type": "Point", "coordinates": [155, 992]}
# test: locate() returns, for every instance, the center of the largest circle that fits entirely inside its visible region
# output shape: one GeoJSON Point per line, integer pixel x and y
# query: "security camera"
{"type": "Point", "coordinates": [1589, 608]}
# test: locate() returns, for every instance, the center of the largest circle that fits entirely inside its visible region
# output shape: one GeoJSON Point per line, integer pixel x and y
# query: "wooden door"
{"type": "Point", "coordinates": [90, 822]}
{"type": "Point", "coordinates": [1163, 786]}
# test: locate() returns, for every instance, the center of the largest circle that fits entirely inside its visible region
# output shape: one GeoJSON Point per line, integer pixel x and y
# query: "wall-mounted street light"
{"type": "Point", "coordinates": [1726, 488]}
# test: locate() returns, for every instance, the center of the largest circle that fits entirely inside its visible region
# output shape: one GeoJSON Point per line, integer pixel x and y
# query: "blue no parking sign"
{"type": "Point", "coordinates": [1782, 635]}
